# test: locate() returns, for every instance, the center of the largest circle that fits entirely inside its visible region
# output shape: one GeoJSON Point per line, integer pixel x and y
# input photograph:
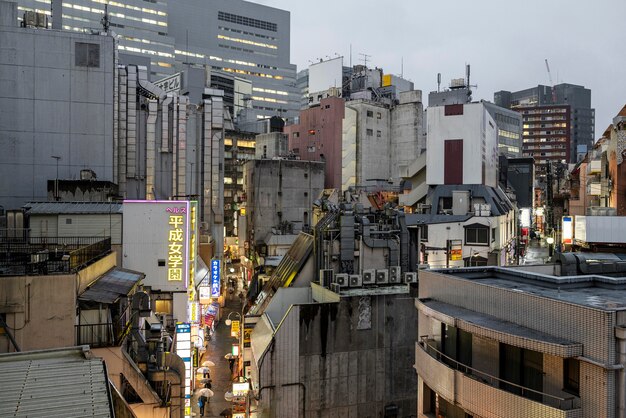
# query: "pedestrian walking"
{"type": "Point", "coordinates": [201, 403]}
{"type": "Point", "coordinates": [231, 364]}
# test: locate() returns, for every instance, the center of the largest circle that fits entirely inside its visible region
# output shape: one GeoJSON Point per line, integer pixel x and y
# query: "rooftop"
{"type": "Point", "coordinates": [55, 208]}
{"type": "Point", "coordinates": [593, 291]}
{"type": "Point", "coordinates": [63, 383]}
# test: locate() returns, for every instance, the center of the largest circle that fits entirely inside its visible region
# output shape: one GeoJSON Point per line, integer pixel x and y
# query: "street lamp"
{"type": "Point", "coordinates": [56, 181]}
{"type": "Point", "coordinates": [228, 322]}
{"type": "Point", "coordinates": [550, 242]}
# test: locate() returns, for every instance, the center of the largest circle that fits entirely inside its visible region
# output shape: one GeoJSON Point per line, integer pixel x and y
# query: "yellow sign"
{"type": "Point", "coordinates": [175, 240]}
{"type": "Point", "coordinates": [192, 249]}
{"type": "Point", "coordinates": [456, 255]}
{"type": "Point", "coordinates": [234, 328]}
{"type": "Point", "coordinates": [247, 333]}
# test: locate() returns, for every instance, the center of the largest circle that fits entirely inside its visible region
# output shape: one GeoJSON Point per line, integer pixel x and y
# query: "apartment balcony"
{"type": "Point", "coordinates": [480, 394]}
{"type": "Point", "coordinates": [594, 166]}
{"type": "Point", "coordinates": [594, 188]}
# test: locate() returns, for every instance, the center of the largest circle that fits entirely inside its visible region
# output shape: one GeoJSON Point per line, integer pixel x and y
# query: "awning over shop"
{"type": "Point", "coordinates": [111, 286]}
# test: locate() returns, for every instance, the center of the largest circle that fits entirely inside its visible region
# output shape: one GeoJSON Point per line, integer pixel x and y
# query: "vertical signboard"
{"type": "Point", "coordinates": [193, 247]}
{"type": "Point", "coordinates": [157, 242]}
{"type": "Point", "coordinates": [183, 349]}
{"type": "Point", "coordinates": [215, 278]}
{"type": "Point", "coordinates": [568, 230]}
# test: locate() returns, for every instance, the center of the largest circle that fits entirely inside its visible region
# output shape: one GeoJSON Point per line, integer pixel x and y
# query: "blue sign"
{"type": "Point", "coordinates": [215, 278]}
{"type": "Point", "coordinates": [183, 327]}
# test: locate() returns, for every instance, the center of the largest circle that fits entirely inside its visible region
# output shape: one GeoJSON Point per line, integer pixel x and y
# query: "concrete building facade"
{"type": "Point", "coordinates": [142, 29]}
{"type": "Point", "coordinates": [346, 354]}
{"type": "Point", "coordinates": [279, 197]}
{"type": "Point", "coordinates": [462, 145]}
{"type": "Point", "coordinates": [58, 108]}
{"type": "Point", "coordinates": [499, 342]}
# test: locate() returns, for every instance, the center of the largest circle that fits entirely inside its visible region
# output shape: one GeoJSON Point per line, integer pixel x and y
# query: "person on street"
{"type": "Point", "coordinates": [231, 364]}
{"type": "Point", "coordinates": [201, 402]}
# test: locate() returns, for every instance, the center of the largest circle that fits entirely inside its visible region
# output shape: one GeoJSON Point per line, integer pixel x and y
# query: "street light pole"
{"type": "Point", "coordinates": [56, 181]}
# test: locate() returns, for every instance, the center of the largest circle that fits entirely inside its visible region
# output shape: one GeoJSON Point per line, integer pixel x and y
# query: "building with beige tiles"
{"type": "Point", "coordinates": [497, 342]}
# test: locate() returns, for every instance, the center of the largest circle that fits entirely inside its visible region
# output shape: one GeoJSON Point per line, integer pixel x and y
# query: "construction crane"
{"type": "Point", "coordinates": [551, 82]}
{"type": "Point", "coordinates": [549, 73]}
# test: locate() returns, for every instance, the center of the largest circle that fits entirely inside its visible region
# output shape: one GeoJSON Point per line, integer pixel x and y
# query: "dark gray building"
{"type": "Point", "coordinates": [57, 107]}
{"type": "Point", "coordinates": [247, 39]}
{"type": "Point", "coordinates": [578, 98]}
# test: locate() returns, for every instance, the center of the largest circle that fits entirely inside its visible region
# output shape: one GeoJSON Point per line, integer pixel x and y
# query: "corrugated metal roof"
{"type": "Point", "coordinates": [53, 383]}
{"type": "Point", "coordinates": [112, 285]}
{"type": "Point", "coordinates": [55, 208]}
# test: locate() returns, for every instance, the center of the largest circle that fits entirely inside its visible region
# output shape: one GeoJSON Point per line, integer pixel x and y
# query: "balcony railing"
{"type": "Point", "coordinates": [49, 255]}
{"type": "Point", "coordinates": [564, 404]}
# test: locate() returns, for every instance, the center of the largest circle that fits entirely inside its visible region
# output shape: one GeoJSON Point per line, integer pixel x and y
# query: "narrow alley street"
{"type": "Point", "coordinates": [217, 347]}
{"type": "Point", "coordinates": [536, 252]}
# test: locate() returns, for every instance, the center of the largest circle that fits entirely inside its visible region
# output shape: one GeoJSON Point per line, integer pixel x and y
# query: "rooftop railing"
{"type": "Point", "coordinates": [49, 255]}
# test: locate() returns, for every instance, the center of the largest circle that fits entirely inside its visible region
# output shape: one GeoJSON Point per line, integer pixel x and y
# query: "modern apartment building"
{"type": "Point", "coordinates": [580, 122]}
{"type": "Point", "coordinates": [246, 39]}
{"type": "Point", "coordinates": [141, 27]}
{"type": "Point", "coordinates": [499, 342]}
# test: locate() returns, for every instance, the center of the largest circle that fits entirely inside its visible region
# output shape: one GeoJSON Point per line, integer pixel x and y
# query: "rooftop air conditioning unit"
{"type": "Point", "coordinates": [356, 280]}
{"type": "Point", "coordinates": [342, 280]}
{"type": "Point", "coordinates": [410, 277]}
{"type": "Point", "coordinates": [369, 277]}
{"type": "Point", "coordinates": [382, 276]}
{"type": "Point", "coordinates": [394, 274]}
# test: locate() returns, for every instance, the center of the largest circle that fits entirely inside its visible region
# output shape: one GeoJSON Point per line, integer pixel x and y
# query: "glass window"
{"type": "Point", "coordinates": [571, 376]}
{"type": "Point", "coordinates": [477, 235]}
{"type": "Point", "coordinates": [370, 114]}
{"type": "Point", "coordinates": [369, 132]}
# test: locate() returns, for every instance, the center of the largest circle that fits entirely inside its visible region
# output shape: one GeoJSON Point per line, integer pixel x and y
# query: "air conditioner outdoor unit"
{"type": "Point", "coordinates": [369, 277]}
{"type": "Point", "coordinates": [326, 277]}
{"type": "Point", "coordinates": [410, 277]}
{"type": "Point", "coordinates": [342, 280]}
{"type": "Point", "coordinates": [335, 287]}
{"type": "Point", "coordinates": [394, 274]}
{"type": "Point", "coordinates": [356, 280]}
{"type": "Point", "coordinates": [382, 276]}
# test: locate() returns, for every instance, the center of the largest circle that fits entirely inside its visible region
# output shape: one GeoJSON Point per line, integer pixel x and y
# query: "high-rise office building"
{"type": "Point", "coordinates": [247, 39]}
{"type": "Point", "coordinates": [542, 127]}
{"type": "Point", "coordinates": [141, 27]}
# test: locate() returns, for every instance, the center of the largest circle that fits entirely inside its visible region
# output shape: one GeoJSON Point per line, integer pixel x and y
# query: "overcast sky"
{"type": "Point", "coordinates": [505, 41]}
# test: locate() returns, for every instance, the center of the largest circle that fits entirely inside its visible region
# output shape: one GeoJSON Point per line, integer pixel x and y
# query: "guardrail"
{"type": "Point", "coordinates": [564, 404]}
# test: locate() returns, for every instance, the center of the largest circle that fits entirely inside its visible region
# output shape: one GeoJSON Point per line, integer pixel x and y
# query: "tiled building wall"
{"type": "Point", "coordinates": [591, 327]}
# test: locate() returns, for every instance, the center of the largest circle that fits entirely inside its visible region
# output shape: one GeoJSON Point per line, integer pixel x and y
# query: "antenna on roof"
{"type": "Point", "coordinates": [438, 82]}
{"type": "Point", "coordinates": [105, 21]}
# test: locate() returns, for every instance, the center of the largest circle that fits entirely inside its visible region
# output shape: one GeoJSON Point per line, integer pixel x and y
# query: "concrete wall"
{"type": "Point", "coordinates": [280, 191]}
{"type": "Point", "coordinates": [356, 356]}
{"type": "Point", "coordinates": [40, 311]}
{"type": "Point", "coordinates": [478, 131]}
{"type": "Point", "coordinates": [50, 106]}
{"type": "Point", "coordinates": [407, 139]}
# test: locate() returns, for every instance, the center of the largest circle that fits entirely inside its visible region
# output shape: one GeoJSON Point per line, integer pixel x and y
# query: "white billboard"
{"type": "Point", "coordinates": [159, 240]}
{"type": "Point", "coordinates": [325, 74]}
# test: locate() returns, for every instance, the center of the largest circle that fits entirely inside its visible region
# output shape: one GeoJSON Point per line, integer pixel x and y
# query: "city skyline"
{"type": "Point", "coordinates": [579, 44]}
